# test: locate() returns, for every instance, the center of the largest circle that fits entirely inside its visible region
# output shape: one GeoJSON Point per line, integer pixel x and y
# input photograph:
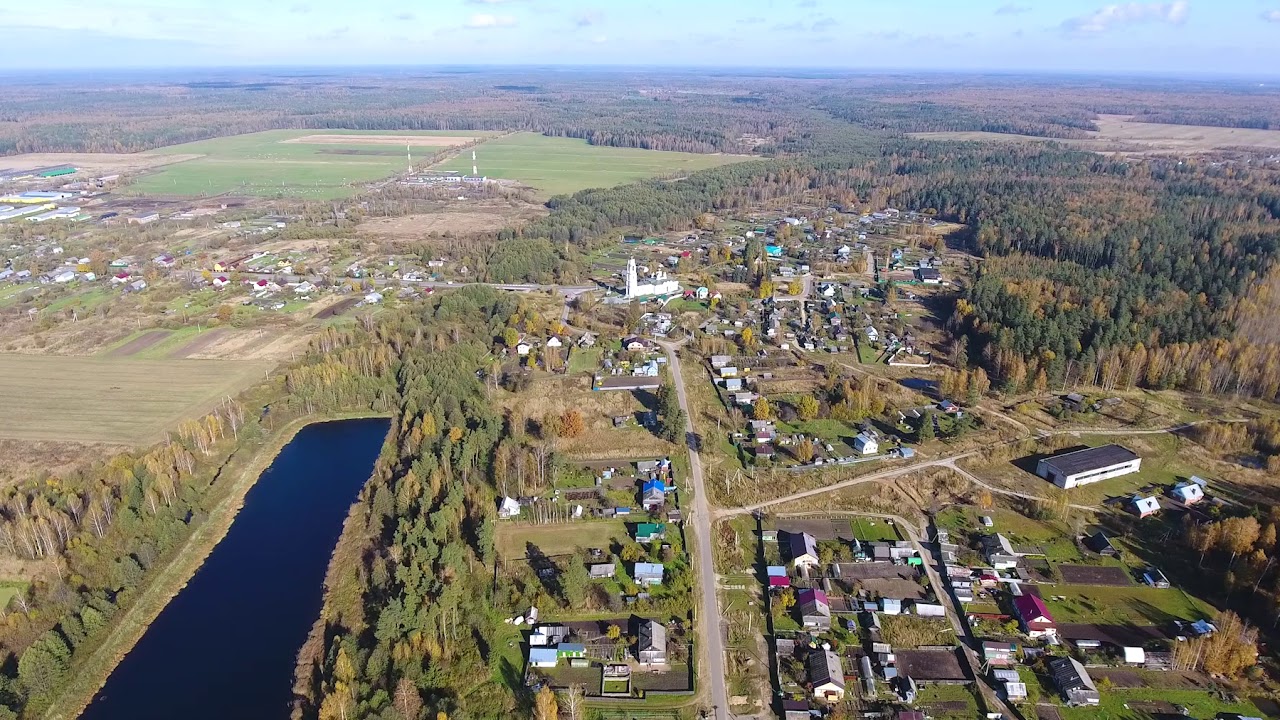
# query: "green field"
{"type": "Point", "coordinates": [557, 166]}
{"type": "Point", "coordinates": [112, 400]}
{"type": "Point", "coordinates": [1136, 605]}
{"type": "Point", "coordinates": [263, 164]}
{"type": "Point", "coordinates": [558, 539]}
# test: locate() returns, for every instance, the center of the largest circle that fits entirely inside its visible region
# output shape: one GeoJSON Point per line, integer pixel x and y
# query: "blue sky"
{"type": "Point", "coordinates": [1237, 37]}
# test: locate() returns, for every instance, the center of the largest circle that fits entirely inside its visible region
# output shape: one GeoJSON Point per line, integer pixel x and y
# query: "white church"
{"type": "Point", "coordinates": [656, 284]}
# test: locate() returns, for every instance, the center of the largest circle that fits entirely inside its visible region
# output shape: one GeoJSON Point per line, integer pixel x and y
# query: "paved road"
{"type": "Point", "coordinates": [712, 671]}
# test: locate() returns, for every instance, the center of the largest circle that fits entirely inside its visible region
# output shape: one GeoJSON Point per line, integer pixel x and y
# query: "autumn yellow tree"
{"type": "Point", "coordinates": [545, 706]}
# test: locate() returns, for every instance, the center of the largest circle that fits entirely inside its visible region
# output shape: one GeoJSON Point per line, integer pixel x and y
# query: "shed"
{"type": "Point", "coordinates": [543, 657]}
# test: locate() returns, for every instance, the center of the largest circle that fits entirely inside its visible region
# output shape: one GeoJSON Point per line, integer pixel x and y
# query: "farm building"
{"type": "Point", "coordinates": [508, 508]}
{"type": "Point", "coordinates": [1090, 465]}
{"type": "Point", "coordinates": [1073, 681]}
{"type": "Point", "coordinates": [826, 675]}
{"type": "Point", "coordinates": [651, 645]}
{"type": "Point", "coordinates": [804, 550]}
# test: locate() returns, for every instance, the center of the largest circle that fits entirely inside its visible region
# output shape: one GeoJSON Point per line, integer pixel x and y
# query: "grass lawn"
{"type": "Point", "coordinates": [263, 164]}
{"type": "Point", "coordinates": [123, 401]}
{"type": "Point", "coordinates": [874, 529]}
{"type": "Point", "coordinates": [1200, 704]}
{"type": "Point", "coordinates": [945, 702]}
{"type": "Point", "coordinates": [584, 361]}
{"type": "Point", "coordinates": [558, 166]}
{"type": "Point", "coordinates": [559, 539]}
{"type": "Point", "coordinates": [830, 430]}
{"type": "Point", "coordinates": [1138, 605]}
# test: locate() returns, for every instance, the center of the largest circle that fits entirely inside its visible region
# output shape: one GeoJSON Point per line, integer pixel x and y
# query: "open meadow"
{"type": "Point", "coordinates": [294, 163]}
{"type": "Point", "coordinates": [557, 166]}
{"type": "Point", "coordinates": [1119, 132]}
{"type": "Point", "coordinates": [116, 401]}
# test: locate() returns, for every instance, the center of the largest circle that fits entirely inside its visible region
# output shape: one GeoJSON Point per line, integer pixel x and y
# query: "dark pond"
{"type": "Point", "coordinates": [225, 646]}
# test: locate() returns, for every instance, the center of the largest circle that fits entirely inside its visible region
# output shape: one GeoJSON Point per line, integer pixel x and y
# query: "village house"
{"type": "Point", "coordinates": [1187, 493]}
{"type": "Point", "coordinates": [1101, 544]}
{"type": "Point", "coordinates": [865, 444]}
{"type": "Point", "coordinates": [826, 675]}
{"type": "Point", "coordinates": [651, 643]}
{"type": "Point", "coordinates": [814, 609]}
{"type": "Point", "coordinates": [647, 533]}
{"type": "Point", "coordinates": [600, 571]}
{"type": "Point", "coordinates": [1034, 616]}
{"type": "Point", "coordinates": [1145, 506]}
{"type": "Point", "coordinates": [508, 508]}
{"type": "Point", "coordinates": [653, 494]}
{"type": "Point", "coordinates": [1073, 681]}
{"type": "Point", "coordinates": [998, 654]}
{"type": "Point", "coordinates": [648, 574]}
{"type": "Point", "coordinates": [804, 550]}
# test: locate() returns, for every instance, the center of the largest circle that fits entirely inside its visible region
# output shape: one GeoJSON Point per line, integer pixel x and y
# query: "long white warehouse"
{"type": "Point", "coordinates": [1090, 465]}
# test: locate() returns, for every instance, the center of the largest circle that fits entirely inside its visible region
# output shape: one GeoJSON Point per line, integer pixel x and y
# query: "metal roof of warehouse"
{"type": "Point", "coordinates": [1079, 461]}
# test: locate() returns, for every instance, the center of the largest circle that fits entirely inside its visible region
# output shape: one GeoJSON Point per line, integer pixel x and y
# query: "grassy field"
{"type": "Point", "coordinates": [1115, 702]}
{"type": "Point", "coordinates": [1118, 131]}
{"type": "Point", "coordinates": [558, 539]}
{"type": "Point", "coordinates": [1137, 605]}
{"type": "Point", "coordinates": [275, 163]}
{"type": "Point", "coordinates": [110, 400]}
{"type": "Point", "coordinates": [9, 589]}
{"type": "Point", "coordinates": [558, 166]}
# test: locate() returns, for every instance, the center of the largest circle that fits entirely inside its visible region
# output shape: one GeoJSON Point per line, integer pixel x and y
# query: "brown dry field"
{"type": "Point", "coordinates": [113, 401]}
{"type": "Point", "coordinates": [94, 162]}
{"type": "Point", "coordinates": [273, 344]}
{"type": "Point", "coordinates": [1117, 133]}
{"type": "Point", "coordinates": [483, 216]}
{"type": "Point", "coordinates": [601, 440]}
{"type": "Point", "coordinates": [24, 459]}
{"type": "Point", "coordinates": [418, 140]}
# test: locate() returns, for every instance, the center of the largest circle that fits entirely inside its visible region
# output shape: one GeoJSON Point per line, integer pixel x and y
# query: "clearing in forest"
{"type": "Point", "coordinates": [294, 163]}
{"type": "Point", "coordinates": [123, 401]}
{"type": "Point", "coordinates": [556, 165]}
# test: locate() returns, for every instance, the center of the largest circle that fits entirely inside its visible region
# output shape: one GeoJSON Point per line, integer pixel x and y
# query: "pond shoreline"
{"type": "Point", "coordinates": [90, 675]}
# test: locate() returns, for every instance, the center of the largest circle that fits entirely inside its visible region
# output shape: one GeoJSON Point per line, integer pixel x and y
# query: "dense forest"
{"type": "Point", "coordinates": [409, 618]}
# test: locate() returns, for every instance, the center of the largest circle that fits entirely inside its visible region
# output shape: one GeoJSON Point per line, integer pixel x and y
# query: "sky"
{"type": "Point", "coordinates": [1179, 37]}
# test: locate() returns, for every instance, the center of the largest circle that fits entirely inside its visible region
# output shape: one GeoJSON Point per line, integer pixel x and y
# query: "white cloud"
{"type": "Point", "coordinates": [1271, 16]}
{"type": "Point", "coordinates": [1174, 13]}
{"type": "Point", "coordinates": [484, 21]}
{"type": "Point", "coordinates": [600, 39]}
{"type": "Point", "coordinates": [1013, 9]}
{"type": "Point", "coordinates": [492, 2]}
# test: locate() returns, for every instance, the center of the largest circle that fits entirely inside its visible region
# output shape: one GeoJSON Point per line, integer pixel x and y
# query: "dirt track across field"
{"type": "Point", "coordinates": [140, 343]}
{"type": "Point", "coordinates": [418, 140]}
{"type": "Point", "coordinates": [201, 343]}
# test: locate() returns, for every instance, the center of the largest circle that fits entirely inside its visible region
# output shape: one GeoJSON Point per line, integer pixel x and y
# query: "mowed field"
{"type": "Point", "coordinates": [118, 401]}
{"type": "Point", "coordinates": [293, 163]}
{"type": "Point", "coordinates": [557, 166]}
{"type": "Point", "coordinates": [1117, 132]}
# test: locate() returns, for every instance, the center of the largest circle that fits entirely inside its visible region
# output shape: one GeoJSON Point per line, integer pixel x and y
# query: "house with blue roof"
{"type": "Point", "coordinates": [648, 574]}
{"type": "Point", "coordinates": [543, 657]}
{"type": "Point", "coordinates": [653, 494]}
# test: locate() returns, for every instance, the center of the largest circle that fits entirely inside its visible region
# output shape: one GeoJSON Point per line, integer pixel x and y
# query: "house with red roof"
{"type": "Point", "coordinates": [1034, 616]}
